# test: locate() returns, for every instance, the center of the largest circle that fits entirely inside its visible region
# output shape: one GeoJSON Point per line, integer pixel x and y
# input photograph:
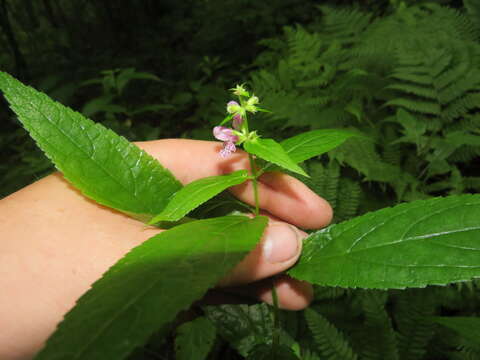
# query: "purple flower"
{"type": "Point", "coordinates": [237, 121]}
{"type": "Point", "coordinates": [224, 134]}
{"type": "Point", "coordinates": [228, 137]}
{"type": "Point", "coordinates": [228, 148]}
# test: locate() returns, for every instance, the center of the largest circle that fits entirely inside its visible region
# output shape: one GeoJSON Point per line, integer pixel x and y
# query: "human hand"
{"type": "Point", "coordinates": [284, 199]}
{"type": "Point", "coordinates": [57, 242]}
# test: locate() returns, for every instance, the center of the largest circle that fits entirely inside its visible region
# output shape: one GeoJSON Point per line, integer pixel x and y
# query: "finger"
{"type": "Point", "coordinates": [289, 199]}
{"type": "Point", "coordinates": [281, 195]}
{"type": "Point", "coordinates": [191, 160]}
{"type": "Point", "coordinates": [292, 294]}
{"type": "Point", "coordinates": [278, 250]}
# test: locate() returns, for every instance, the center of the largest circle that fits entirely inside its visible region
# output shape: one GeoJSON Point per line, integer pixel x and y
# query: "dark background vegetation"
{"type": "Point", "coordinates": [405, 74]}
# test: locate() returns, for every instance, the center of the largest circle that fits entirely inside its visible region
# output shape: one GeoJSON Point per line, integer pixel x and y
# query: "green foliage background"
{"type": "Point", "coordinates": [406, 74]}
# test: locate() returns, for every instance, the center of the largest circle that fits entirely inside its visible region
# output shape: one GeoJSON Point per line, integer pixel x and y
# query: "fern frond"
{"type": "Point", "coordinates": [462, 86]}
{"type": "Point", "coordinates": [464, 154]}
{"type": "Point", "coordinates": [415, 105]}
{"type": "Point", "coordinates": [443, 59]}
{"type": "Point", "coordinates": [330, 343]}
{"type": "Point", "coordinates": [453, 21]}
{"type": "Point", "coordinates": [328, 293]}
{"type": "Point", "coordinates": [304, 48]}
{"type": "Point", "coordinates": [324, 180]}
{"type": "Point", "coordinates": [392, 153]}
{"type": "Point", "coordinates": [437, 67]}
{"type": "Point", "coordinates": [343, 24]}
{"type": "Point", "coordinates": [473, 10]}
{"type": "Point", "coordinates": [348, 200]}
{"type": "Point", "coordinates": [317, 101]}
{"type": "Point", "coordinates": [308, 354]}
{"type": "Point", "coordinates": [414, 327]}
{"type": "Point", "coordinates": [458, 67]}
{"type": "Point", "coordinates": [406, 75]}
{"type": "Point", "coordinates": [376, 47]}
{"type": "Point", "coordinates": [380, 342]}
{"type": "Point", "coordinates": [421, 91]}
{"type": "Point", "coordinates": [461, 106]}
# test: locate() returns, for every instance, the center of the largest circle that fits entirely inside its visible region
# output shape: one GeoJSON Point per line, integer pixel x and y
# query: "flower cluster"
{"type": "Point", "coordinates": [238, 114]}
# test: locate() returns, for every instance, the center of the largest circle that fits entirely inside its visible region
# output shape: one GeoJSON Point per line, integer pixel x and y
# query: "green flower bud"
{"type": "Point", "coordinates": [239, 90]}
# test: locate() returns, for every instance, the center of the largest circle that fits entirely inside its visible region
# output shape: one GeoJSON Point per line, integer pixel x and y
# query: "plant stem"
{"type": "Point", "coordinates": [255, 175]}
{"type": "Point", "coordinates": [276, 320]}
{"type": "Point", "coordinates": [255, 183]}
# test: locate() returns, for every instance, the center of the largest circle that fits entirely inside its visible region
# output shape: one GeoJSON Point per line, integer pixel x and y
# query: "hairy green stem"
{"type": "Point", "coordinates": [255, 183]}
{"type": "Point", "coordinates": [276, 320]}
{"type": "Point", "coordinates": [255, 175]}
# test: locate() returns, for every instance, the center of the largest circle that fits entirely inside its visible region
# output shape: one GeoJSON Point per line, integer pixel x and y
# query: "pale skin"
{"type": "Point", "coordinates": [55, 242]}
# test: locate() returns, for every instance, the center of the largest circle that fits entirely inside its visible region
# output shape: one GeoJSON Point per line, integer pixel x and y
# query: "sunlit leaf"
{"type": "Point", "coordinates": [272, 151]}
{"type": "Point", "coordinates": [145, 290]}
{"type": "Point", "coordinates": [101, 164]}
{"type": "Point", "coordinates": [313, 143]}
{"type": "Point", "coordinates": [427, 242]}
{"type": "Point", "coordinates": [196, 193]}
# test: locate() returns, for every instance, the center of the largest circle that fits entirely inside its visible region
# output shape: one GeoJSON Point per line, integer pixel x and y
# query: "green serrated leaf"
{"type": "Point", "coordinates": [467, 327]}
{"type": "Point", "coordinates": [101, 164]}
{"type": "Point", "coordinates": [145, 290]}
{"type": "Point", "coordinates": [196, 193]}
{"type": "Point", "coordinates": [272, 151]}
{"type": "Point", "coordinates": [426, 242]}
{"type": "Point", "coordinates": [195, 339]}
{"type": "Point", "coordinates": [313, 143]}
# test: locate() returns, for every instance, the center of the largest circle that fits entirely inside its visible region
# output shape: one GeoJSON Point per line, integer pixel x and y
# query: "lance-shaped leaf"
{"type": "Point", "coordinates": [427, 242]}
{"type": "Point", "coordinates": [196, 193]}
{"type": "Point", "coordinates": [101, 164]}
{"type": "Point", "coordinates": [145, 290]}
{"type": "Point", "coordinates": [313, 143]}
{"type": "Point", "coordinates": [272, 151]}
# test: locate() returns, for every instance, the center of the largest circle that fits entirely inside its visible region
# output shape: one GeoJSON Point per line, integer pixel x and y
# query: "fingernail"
{"type": "Point", "coordinates": [281, 243]}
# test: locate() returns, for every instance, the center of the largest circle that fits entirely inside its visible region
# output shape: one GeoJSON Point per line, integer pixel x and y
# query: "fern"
{"type": "Point", "coordinates": [342, 194]}
{"type": "Point", "coordinates": [414, 327]}
{"type": "Point", "coordinates": [328, 293]}
{"type": "Point", "coordinates": [324, 180]}
{"type": "Point", "coordinates": [438, 76]}
{"type": "Point", "coordinates": [380, 341]}
{"type": "Point", "coordinates": [330, 343]}
{"type": "Point", "coordinates": [473, 10]}
{"type": "Point", "coordinates": [348, 200]}
{"type": "Point", "coordinates": [349, 69]}
{"type": "Point", "coordinates": [308, 354]}
{"type": "Point", "coordinates": [392, 151]}
{"type": "Point", "coordinates": [343, 24]}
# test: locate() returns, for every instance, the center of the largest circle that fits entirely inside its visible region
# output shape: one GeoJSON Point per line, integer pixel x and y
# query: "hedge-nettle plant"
{"type": "Point", "coordinates": [427, 242]}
